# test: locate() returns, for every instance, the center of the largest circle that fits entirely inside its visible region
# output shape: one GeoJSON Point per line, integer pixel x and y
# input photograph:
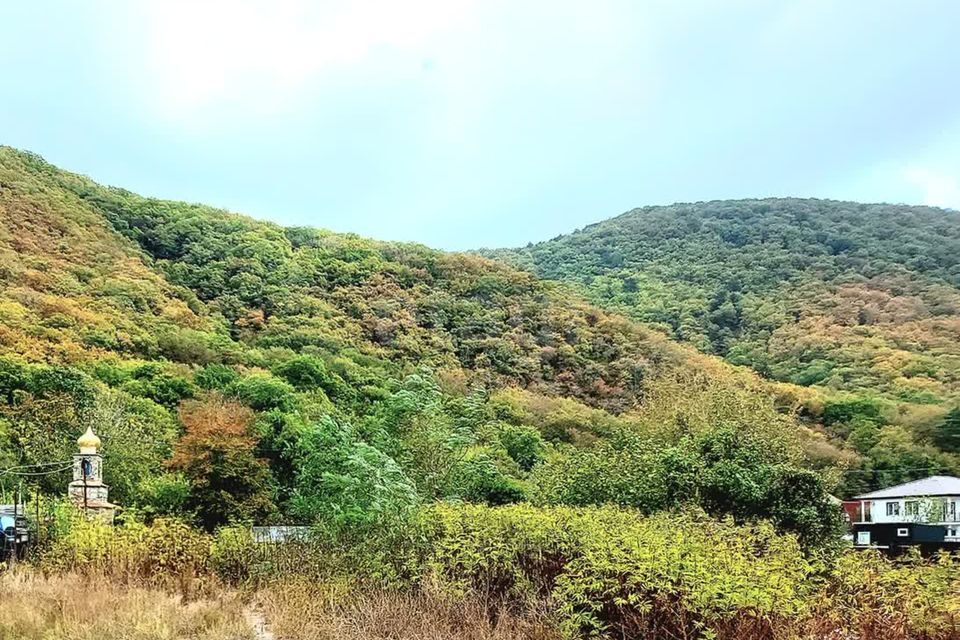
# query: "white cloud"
{"type": "Point", "coordinates": [939, 189]}
{"type": "Point", "coordinates": [258, 55]}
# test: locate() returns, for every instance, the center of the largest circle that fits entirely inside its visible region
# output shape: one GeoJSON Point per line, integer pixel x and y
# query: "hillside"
{"type": "Point", "coordinates": [846, 296]}
{"type": "Point", "coordinates": [90, 272]}
{"type": "Point", "coordinates": [239, 370]}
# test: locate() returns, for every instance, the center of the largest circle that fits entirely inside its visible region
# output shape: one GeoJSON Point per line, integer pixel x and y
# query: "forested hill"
{"type": "Point", "coordinates": [240, 370]}
{"type": "Point", "coordinates": [848, 296]}
{"type": "Point", "coordinates": [90, 272]}
{"type": "Point", "coordinates": [237, 370]}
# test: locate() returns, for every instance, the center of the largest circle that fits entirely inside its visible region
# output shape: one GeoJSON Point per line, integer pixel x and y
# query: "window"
{"type": "Point", "coordinates": [938, 512]}
{"type": "Point", "coordinates": [903, 532]}
{"type": "Point", "coordinates": [912, 507]}
{"type": "Point", "coordinates": [863, 537]}
{"type": "Point", "coordinates": [951, 511]}
{"type": "Point", "coordinates": [893, 508]}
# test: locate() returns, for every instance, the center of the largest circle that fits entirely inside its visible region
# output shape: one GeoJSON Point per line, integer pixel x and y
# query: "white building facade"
{"type": "Point", "coordinates": [932, 501]}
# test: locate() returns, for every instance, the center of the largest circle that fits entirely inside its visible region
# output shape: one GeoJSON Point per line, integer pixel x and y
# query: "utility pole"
{"type": "Point", "coordinates": [36, 500]}
{"type": "Point", "coordinates": [83, 468]}
{"type": "Point", "coordinates": [16, 535]}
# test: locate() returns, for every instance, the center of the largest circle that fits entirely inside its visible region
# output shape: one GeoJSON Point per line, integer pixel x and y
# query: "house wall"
{"type": "Point", "coordinates": [930, 510]}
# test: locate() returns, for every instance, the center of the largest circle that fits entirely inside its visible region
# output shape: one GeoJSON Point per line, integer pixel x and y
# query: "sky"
{"type": "Point", "coordinates": [486, 123]}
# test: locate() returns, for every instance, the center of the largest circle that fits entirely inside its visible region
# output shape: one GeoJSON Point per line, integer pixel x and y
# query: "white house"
{"type": "Point", "coordinates": [931, 501]}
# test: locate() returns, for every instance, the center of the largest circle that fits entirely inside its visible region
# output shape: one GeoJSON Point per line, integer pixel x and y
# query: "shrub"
{"type": "Point", "coordinates": [613, 571]}
{"type": "Point", "coordinates": [232, 552]}
{"type": "Point", "coordinates": [167, 551]}
{"type": "Point", "coordinates": [164, 495]}
{"type": "Point", "coordinates": [524, 444]}
{"type": "Point", "coordinates": [867, 595]}
{"type": "Point", "coordinates": [481, 480]}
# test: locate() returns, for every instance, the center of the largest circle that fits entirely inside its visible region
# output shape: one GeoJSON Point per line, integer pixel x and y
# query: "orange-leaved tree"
{"type": "Point", "coordinates": [217, 455]}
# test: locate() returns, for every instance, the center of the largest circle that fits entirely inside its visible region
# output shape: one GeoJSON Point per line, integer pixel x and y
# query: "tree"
{"type": "Point", "coordinates": [216, 377]}
{"type": "Point", "coordinates": [798, 502]}
{"type": "Point", "coordinates": [216, 454]}
{"type": "Point", "coordinates": [524, 444]}
{"type": "Point", "coordinates": [413, 428]}
{"type": "Point", "coordinates": [263, 391]}
{"type": "Point", "coordinates": [897, 457]}
{"type": "Point", "coordinates": [348, 487]}
{"type": "Point", "coordinates": [305, 372]}
{"type": "Point", "coordinates": [14, 376]}
{"type": "Point", "coordinates": [947, 436]}
{"type": "Point", "coordinates": [137, 435]}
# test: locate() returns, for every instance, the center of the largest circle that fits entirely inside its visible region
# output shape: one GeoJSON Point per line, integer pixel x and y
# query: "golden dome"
{"type": "Point", "coordinates": [89, 440]}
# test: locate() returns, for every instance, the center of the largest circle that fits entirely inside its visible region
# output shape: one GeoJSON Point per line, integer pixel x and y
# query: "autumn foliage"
{"type": "Point", "coordinates": [217, 455]}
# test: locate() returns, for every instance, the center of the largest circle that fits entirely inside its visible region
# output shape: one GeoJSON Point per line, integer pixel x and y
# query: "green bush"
{"type": "Point", "coordinates": [481, 480]}
{"type": "Point", "coordinates": [600, 571]}
{"type": "Point", "coordinates": [305, 372]}
{"type": "Point", "coordinates": [613, 571]}
{"type": "Point", "coordinates": [865, 594]}
{"type": "Point", "coordinates": [232, 553]}
{"type": "Point", "coordinates": [164, 495]}
{"type": "Point", "coordinates": [524, 444]}
{"type": "Point", "coordinates": [168, 550]}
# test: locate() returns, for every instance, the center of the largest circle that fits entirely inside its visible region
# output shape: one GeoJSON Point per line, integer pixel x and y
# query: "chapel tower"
{"type": "Point", "coordinates": [87, 489]}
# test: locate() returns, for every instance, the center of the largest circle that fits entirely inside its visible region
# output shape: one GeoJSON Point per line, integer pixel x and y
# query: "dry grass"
{"type": "Point", "coordinates": [299, 611]}
{"type": "Point", "coordinates": [73, 608]}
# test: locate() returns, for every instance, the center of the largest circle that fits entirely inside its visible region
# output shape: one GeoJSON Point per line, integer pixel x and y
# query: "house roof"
{"type": "Point", "coordinates": [932, 486]}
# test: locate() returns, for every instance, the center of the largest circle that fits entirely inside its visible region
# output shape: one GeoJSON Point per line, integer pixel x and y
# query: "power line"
{"type": "Point", "coordinates": [23, 474]}
{"type": "Point", "coordinates": [38, 464]}
{"type": "Point", "coordinates": [897, 470]}
{"type": "Point", "coordinates": [39, 469]}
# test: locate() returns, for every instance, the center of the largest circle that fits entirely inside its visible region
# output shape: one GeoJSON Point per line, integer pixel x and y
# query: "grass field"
{"type": "Point", "coordinates": [306, 612]}
{"type": "Point", "coordinates": [73, 608]}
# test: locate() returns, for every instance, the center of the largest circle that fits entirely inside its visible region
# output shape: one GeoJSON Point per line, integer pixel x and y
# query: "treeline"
{"type": "Point", "coordinates": [195, 285]}
{"type": "Point", "coordinates": [434, 419]}
{"type": "Point", "coordinates": [858, 301]}
{"type": "Point", "coordinates": [304, 355]}
{"type": "Point", "coordinates": [816, 292]}
{"type": "Point", "coordinates": [215, 446]}
{"type": "Point", "coordinates": [193, 293]}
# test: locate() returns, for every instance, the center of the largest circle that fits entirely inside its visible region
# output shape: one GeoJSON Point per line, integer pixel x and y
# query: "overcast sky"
{"type": "Point", "coordinates": [487, 123]}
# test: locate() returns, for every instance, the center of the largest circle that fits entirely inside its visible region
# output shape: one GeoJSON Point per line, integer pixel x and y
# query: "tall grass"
{"type": "Point", "coordinates": [74, 607]}
{"type": "Point", "coordinates": [300, 610]}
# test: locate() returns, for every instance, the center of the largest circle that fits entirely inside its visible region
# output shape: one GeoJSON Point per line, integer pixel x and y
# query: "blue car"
{"type": "Point", "coordinates": [12, 530]}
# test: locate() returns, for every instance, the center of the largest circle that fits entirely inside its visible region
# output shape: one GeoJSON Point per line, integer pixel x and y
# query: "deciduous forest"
{"type": "Point", "coordinates": [631, 430]}
{"type": "Point", "coordinates": [858, 302]}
